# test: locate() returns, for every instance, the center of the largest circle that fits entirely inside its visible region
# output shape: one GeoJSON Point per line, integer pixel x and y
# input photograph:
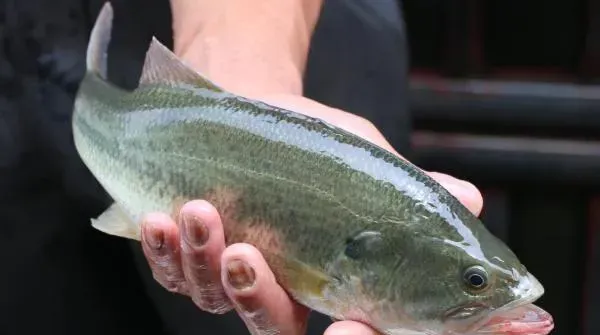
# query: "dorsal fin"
{"type": "Point", "coordinates": [163, 67]}
{"type": "Point", "coordinates": [99, 40]}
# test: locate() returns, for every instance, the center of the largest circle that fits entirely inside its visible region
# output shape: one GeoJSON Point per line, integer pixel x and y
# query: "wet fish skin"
{"type": "Point", "coordinates": [349, 229]}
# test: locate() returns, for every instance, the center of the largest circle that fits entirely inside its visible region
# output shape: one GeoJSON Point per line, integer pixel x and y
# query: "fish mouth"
{"type": "Point", "coordinates": [523, 320]}
{"type": "Point", "coordinates": [520, 317]}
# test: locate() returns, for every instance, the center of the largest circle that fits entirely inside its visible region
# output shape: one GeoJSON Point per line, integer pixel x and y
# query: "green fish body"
{"type": "Point", "coordinates": [349, 229]}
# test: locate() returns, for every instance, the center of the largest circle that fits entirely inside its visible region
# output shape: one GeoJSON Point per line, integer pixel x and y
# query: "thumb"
{"type": "Point", "coordinates": [464, 191]}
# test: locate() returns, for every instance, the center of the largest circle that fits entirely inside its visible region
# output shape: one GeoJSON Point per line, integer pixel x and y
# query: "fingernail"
{"type": "Point", "coordinates": [195, 230]}
{"type": "Point", "coordinates": [155, 237]}
{"type": "Point", "coordinates": [240, 275]}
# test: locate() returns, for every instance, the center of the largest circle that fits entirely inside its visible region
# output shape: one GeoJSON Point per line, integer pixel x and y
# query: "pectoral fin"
{"type": "Point", "coordinates": [115, 221]}
{"type": "Point", "coordinates": [305, 279]}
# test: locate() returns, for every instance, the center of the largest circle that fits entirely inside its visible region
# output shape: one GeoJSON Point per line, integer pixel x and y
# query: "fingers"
{"type": "Point", "coordinates": [185, 258]}
{"type": "Point", "coordinates": [202, 244]}
{"type": "Point", "coordinates": [464, 191]}
{"type": "Point", "coordinates": [160, 244]}
{"type": "Point", "coordinates": [349, 328]}
{"type": "Point", "coordinates": [263, 305]}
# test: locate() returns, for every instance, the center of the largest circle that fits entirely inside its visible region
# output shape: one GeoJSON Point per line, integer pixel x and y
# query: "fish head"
{"type": "Point", "coordinates": [421, 282]}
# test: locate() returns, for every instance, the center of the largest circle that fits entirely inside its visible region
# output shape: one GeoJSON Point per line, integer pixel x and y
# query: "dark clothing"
{"type": "Point", "coordinates": [59, 275]}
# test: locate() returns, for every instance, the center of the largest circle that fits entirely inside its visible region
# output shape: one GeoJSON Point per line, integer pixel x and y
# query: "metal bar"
{"type": "Point", "coordinates": [506, 103]}
{"type": "Point", "coordinates": [516, 160]}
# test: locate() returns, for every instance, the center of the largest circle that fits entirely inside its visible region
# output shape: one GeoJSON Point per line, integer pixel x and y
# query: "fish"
{"type": "Point", "coordinates": [349, 229]}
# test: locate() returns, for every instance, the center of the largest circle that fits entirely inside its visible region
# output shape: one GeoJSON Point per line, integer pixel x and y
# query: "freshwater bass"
{"type": "Point", "coordinates": [349, 229]}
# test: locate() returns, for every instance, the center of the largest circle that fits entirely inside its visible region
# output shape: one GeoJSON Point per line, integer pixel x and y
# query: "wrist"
{"type": "Point", "coordinates": [240, 68]}
{"type": "Point", "coordinates": [250, 50]}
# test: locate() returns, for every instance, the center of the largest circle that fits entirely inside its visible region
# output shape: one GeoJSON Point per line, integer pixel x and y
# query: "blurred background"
{"type": "Point", "coordinates": [507, 94]}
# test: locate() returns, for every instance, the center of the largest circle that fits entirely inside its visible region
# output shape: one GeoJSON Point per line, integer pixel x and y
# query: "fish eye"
{"type": "Point", "coordinates": [476, 277]}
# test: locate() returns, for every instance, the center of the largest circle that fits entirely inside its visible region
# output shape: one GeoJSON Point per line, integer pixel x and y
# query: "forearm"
{"type": "Point", "coordinates": [250, 47]}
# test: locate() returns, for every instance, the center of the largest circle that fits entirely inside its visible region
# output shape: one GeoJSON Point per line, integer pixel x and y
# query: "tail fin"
{"type": "Point", "coordinates": [99, 40]}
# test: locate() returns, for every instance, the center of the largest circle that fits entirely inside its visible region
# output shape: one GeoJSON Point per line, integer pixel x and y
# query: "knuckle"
{"type": "Point", "coordinates": [173, 277]}
{"type": "Point", "coordinates": [196, 267]}
{"type": "Point", "coordinates": [212, 303]}
{"type": "Point", "coordinates": [169, 275]}
{"type": "Point", "coordinates": [217, 307]}
{"type": "Point", "coordinates": [260, 322]}
{"type": "Point", "coordinates": [170, 285]}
